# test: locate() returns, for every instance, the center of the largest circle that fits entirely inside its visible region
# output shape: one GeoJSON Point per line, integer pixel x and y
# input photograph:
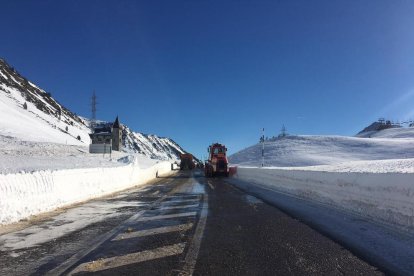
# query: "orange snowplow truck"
{"type": "Point", "coordinates": [187, 162]}
{"type": "Point", "coordinates": [217, 163]}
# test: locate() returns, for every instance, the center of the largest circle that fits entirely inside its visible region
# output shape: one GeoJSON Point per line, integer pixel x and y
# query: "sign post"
{"type": "Point", "coordinates": [263, 141]}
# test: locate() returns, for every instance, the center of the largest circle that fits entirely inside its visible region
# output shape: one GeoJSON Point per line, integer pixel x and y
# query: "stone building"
{"type": "Point", "coordinates": [109, 134]}
{"type": "Point", "coordinates": [116, 135]}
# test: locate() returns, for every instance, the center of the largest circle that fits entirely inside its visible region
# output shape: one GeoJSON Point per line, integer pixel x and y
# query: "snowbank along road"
{"type": "Point", "coordinates": [178, 225]}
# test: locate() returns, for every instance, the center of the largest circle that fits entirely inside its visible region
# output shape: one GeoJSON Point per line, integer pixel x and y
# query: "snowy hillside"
{"type": "Point", "coordinates": [299, 151]}
{"type": "Point", "coordinates": [403, 132]}
{"type": "Point", "coordinates": [151, 145]}
{"type": "Point", "coordinates": [44, 119]}
{"type": "Point", "coordinates": [38, 129]}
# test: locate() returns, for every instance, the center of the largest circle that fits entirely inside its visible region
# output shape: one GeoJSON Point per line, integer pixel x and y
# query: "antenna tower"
{"type": "Point", "coordinates": [93, 107]}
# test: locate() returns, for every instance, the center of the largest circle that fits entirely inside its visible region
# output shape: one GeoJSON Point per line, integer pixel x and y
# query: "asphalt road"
{"type": "Point", "coordinates": [179, 225]}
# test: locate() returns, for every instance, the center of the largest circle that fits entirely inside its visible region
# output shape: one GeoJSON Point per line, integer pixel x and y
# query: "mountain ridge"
{"type": "Point", "coordinates": [30, 113]}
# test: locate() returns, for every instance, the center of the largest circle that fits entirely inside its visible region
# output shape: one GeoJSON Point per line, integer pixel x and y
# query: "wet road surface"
{"type": "Point", "coordinates": [179, 225]}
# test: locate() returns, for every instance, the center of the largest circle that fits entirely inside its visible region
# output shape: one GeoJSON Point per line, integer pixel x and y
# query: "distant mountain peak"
{"type": "Point", "coordinates": [377, 126]}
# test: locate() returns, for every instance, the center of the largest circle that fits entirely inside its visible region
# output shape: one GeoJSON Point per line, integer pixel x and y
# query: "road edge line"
{"type": "Point", "coordinates": [194, 248]}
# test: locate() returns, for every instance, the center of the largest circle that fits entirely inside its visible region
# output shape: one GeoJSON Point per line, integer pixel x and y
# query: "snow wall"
{"type": "Point", "coordinates": [386, 197]}
{"type": "Point", "coordinates": [26, 194]}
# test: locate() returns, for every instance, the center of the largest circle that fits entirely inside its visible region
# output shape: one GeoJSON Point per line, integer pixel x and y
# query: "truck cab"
{"type": "Point", "coordinates": [217, 163]}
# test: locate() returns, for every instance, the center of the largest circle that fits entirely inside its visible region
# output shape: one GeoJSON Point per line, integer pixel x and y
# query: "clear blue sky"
{"type": "Point", "coordinates": [204, 71]}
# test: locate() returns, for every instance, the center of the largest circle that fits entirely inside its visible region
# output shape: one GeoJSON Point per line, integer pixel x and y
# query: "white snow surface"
{"type": "Point", "coordinates": [373, 177]}
{"type": "Point", "coordinates": [3, 75]}
{"type": "Point", "coordinates": [35, 125]}
{"type": "Point", "coordinates": [45, 135]}
{"type": "Point", "coordinates": [26, 194]}
{"type": "Point", "coordinates": [161, 148]}
{"type": "Point", "coordinates": [26, 156]}
{"type": "Point", "coordinates": [366, 166]}
{"type": "Point", "coordinates": [44, 157]}
{"type": "Point", "coordinates": [402, 132]}
{"type": "Point", "coordinates": [387, 198]}
{"type": "Point", "coordinates": [332, 153]}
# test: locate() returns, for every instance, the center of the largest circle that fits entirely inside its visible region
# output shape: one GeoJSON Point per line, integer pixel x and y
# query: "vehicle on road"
{"type": "Point", "coordinates": [187, 161]}
{"type": "Point", "coordinates": [217, 163]}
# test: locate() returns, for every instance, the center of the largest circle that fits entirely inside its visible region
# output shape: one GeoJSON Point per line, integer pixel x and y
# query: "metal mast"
{"type": "Point", "coordinates": [263, 142]}
{"type": "Point", "coordinates": [93, 107]}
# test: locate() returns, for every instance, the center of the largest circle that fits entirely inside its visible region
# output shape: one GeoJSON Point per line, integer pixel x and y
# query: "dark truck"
{"type": "Point", "coordinates": [187, 161]}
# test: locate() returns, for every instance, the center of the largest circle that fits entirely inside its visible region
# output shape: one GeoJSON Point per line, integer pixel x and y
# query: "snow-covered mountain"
{"type": "Point", "coordinates": [386, 130]}
{"type": "Point", "coordinates": [297, 151]}
{"type": "Point", "coordinates": [31, 114]}
{"type": "Point", "coordinates": [151, 145]}
{"type": "Point", "coordinates": [28, 113]}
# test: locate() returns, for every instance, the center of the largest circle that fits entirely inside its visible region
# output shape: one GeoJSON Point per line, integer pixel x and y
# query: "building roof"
{"type": "Point", "coordinates": [116, 123]}
{"type": "Point", "coordinates": [104, 129]}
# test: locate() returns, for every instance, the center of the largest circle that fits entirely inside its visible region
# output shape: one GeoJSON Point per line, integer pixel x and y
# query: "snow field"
{"type": "Point", "coordinates": [406, 132]}
{"type": "Point", "coordinates": [384, 197]}
{"type": "Point", "coordinates": [301, 151]}
{"type": "Point", "coordinates": [35, 125]}
{"type": "Point", "coordinates": [26, 194]}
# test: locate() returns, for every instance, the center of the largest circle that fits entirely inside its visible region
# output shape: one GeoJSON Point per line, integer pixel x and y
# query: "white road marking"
{"type": "Point", "coordinates": [209, 184]}
{"type": "Point", "coordinates": [178, 207]}
{"type": "Point", "coordinates": [192, 253]}
{"type": "Point", "coordinates": [97, 242]}
{"type": "Point", "coordinates": [187, 214]}
{"type": "Point", "coordinates": [153, 231]}
{"type": "Point", "coordinates": [133, 258]}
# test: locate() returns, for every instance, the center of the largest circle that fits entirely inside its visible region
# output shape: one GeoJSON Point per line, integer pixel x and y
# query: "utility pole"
{"type": "Point", "coordinates": [93, 107]}
{"type": "Point", "coordinates": [263, 142]}
{"type": "Point", "coordinates": [283, 131]}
